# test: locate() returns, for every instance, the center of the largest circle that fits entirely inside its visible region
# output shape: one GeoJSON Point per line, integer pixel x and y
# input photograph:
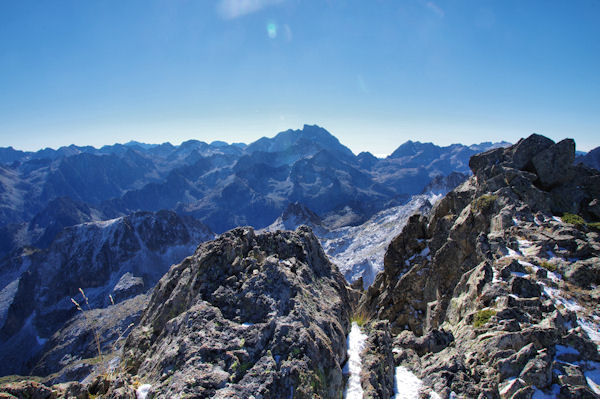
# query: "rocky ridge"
{"type": "Point", "coordinates": [493, 296]}
{"type": "Point", "coordinates": [263, 315]}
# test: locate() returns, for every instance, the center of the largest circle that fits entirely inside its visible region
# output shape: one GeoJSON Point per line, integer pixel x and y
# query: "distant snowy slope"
{"type": "Point", "coordinates": [357, 250]}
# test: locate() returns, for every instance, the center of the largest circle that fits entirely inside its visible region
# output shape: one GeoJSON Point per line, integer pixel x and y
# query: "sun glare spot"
{"type": "Point", "coordinates": [272, 30]}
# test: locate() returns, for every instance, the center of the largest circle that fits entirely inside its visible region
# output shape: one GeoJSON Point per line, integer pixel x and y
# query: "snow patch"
{"type": "Point", "coordinates": [555, 295]}
{"type": "Point", "coordinates": [511, 253]}
{"type": "Point", "coordinates": [407, 385]}
{"type": "Point", "coordinates": [526, 247]}
{"type": "Point", "coordinates": [356, 343]}
{"type": "Point", "coordinates": [142, 391]}
{"type": "Point", "coordinates": [591, 329]}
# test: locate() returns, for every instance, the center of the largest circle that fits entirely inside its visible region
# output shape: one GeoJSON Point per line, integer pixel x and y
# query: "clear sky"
{"type": "Point", "coordinates": [374, 73]}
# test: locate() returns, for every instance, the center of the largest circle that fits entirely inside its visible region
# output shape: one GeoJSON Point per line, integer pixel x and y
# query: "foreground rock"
{"type": "Point", "coordinates": [491, 295]}
{"type": "Point", "coordinates": [261, 315]}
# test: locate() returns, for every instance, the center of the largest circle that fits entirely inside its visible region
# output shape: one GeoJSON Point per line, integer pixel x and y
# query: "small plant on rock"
{"type": "Point", "coordinates": [482, 317]}
{"type": "Point", "coordinates": [484, 202]}
{"type": "Point", "coordinates": [551, 267]}
{"type": "Point", "coordinates": [361, 318]}
{"type": "Point", "coordinates": [573, 219]}
{"type": "Point", "coordinates": [96, 332]}
{"type": "Point", "coordinates": [88, 321]}
{"type": "Point", "coordinates": [594, 225]}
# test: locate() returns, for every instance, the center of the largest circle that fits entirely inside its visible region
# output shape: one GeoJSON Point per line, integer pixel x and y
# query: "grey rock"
{"type": "Point", "coordinates": [525, 150]}
{"type": "Point", "coordinates": [128, 286]}
{"type": "Point", "coordinates": [524, 287]}
{"type": "Point", "coordinates": [277, 327]}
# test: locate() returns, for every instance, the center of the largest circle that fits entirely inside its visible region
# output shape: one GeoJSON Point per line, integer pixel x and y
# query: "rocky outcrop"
{"type": "Point", "coordinates": [491, 293]}
{"type": "Point", "coordinates": [246, 315]}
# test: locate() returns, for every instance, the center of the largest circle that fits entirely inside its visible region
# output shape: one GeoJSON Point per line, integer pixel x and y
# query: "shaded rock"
{"type": "Point", "coordinates": [433, 342]}
{"type": "Point", "coordinates": [128, 286]}
{"type": "Point", "coordinates": [538, 371]}
{"type": "Point", "coordinates": [584, 272]}
{"type": "Point", "coordinates": [551, 164]}
{"type": "Point", "coordinates": [524, 287]}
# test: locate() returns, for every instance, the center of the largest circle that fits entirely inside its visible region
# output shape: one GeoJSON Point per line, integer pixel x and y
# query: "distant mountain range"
{"type": "Point", "coordinates": [223, 185]}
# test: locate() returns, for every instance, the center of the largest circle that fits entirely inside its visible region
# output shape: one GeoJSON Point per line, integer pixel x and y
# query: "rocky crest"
{"type": "Point", "coordinates": [491, 294]}
{"type": "Point", "coordinates": [247, 314]}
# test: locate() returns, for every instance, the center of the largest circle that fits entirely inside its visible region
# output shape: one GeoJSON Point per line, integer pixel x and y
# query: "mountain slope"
{"type": "Point", "coordinates": [356, 250]}
{"type": "Point", "coordinates": [122, 257]}
{"type": "Point", "coordinates": [591, 159]}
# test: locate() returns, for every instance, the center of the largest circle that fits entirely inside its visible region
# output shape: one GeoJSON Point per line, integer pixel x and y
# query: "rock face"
{"type": "Point", "coordinates": [247, 314]}
{"type": "Point", "coordinates": [491, 294]}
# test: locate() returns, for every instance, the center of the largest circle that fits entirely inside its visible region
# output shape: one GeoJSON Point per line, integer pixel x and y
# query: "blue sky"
{"type": "Point", "coordinates": [374, 73]}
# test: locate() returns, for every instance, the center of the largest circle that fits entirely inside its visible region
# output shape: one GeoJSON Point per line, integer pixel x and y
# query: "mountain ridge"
{"type": "Point", "coordinates": [194, 178]}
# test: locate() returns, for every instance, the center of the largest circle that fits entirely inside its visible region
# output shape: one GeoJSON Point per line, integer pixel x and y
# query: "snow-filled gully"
{"type": "Point", "coordinates": [356, 343]}
{"type": "Point", "coordinates": [406, 384]}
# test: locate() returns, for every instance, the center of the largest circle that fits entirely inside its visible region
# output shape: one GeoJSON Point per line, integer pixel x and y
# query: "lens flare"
{"type": "Point", "coordinates": [272, 30]}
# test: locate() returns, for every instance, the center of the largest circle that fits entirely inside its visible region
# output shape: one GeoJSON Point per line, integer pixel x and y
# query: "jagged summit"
{"type": "Point", "coordinates": [310, 139]}
{"type": "Point", "coordinates": [493, 293]}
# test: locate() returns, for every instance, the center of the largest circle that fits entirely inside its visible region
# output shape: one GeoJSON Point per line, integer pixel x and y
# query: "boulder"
{"type": "Point", "coordinates": [553, 165]}
{"type": "Point", "coordinates": [525, 150]}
